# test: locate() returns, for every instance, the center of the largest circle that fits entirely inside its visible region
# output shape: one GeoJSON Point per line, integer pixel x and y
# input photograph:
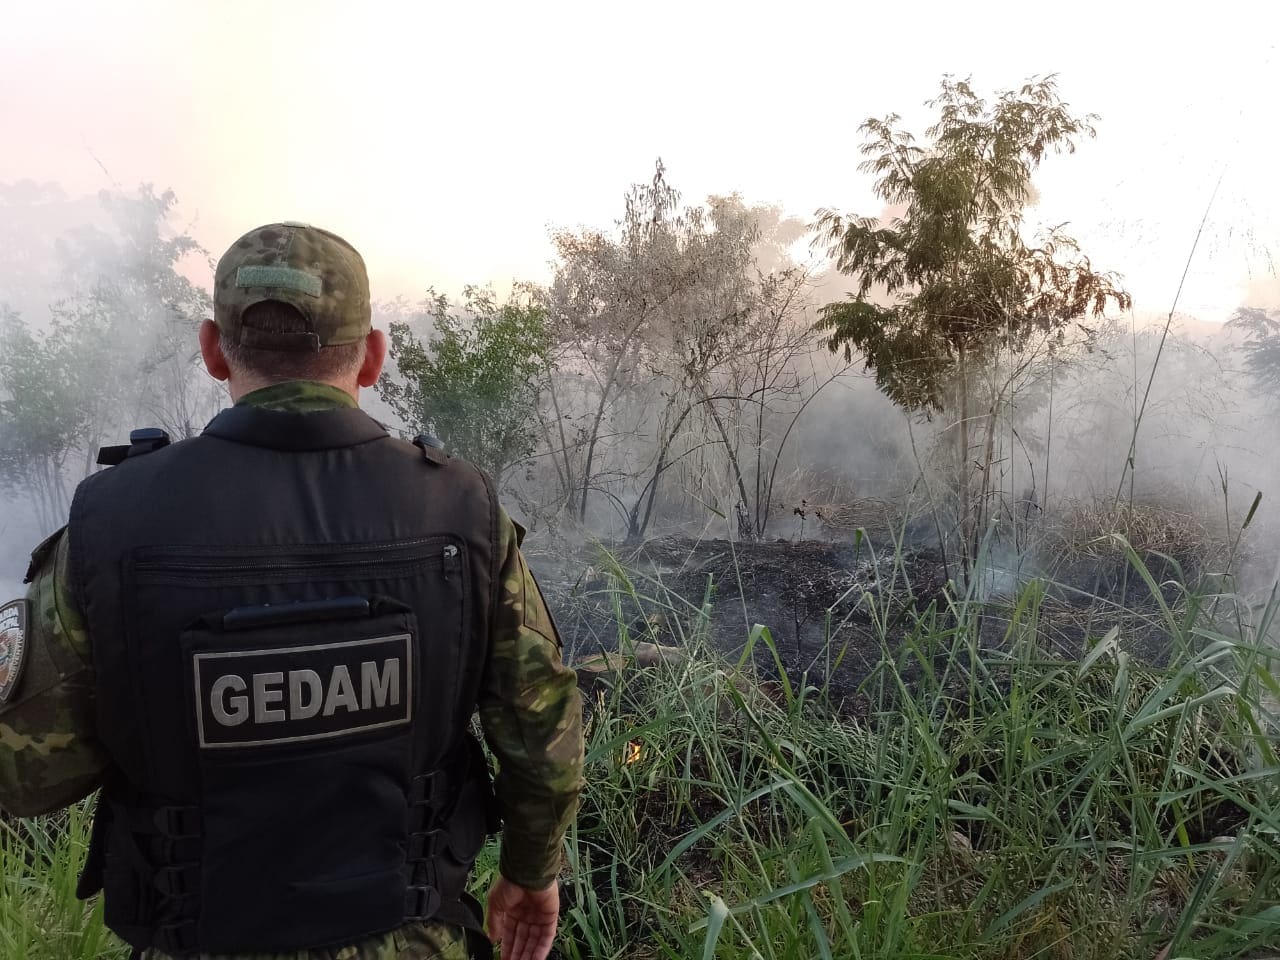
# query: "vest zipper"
{"type": "Point", "coordinates": [230, 567]}
{"type": "Point", "coordinates": [452, 561]}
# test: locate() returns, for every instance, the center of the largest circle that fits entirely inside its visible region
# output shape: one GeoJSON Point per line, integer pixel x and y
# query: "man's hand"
{"type": "Point", "coordinates": [523, 921]}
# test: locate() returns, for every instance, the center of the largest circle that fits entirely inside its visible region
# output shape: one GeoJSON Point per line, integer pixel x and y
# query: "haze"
{"type": "Point", "coordinates": [445, 140]}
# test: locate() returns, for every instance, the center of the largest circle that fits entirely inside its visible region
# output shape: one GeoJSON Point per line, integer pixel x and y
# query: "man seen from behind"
{"type": "Point", "coordinates": [265, 645]}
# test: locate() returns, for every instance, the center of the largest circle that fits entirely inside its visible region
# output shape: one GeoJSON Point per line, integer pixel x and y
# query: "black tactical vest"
{"type": "Point", "coordinates": [289, 618]}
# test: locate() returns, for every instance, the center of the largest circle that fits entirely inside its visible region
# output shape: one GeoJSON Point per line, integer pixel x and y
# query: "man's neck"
{"type": "Point", "coordinates": [241, 387]}
{"type": "Point", "coordinates": [298, 396]}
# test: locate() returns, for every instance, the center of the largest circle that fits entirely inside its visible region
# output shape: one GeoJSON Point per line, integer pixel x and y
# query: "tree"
{"type": "Point", "coordinates": [653, 309]}
{"type": "Point", "coordinates": [766, 388]}
{"type": "Point", "coordinates": [118, 349]}
{"type": "Point", "coordinates": [682, 349]}
{"type": "Point", "coordinates": [44, 411]}
{"type": "Point", "coordinates": [1261, 330]}
{"type": "Point", "coordinates": [948, 281]}
{"type": "Point", "coordinates": [475, 382]}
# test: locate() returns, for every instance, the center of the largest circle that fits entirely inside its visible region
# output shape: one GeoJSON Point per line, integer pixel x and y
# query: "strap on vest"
{"type": "Point", "coordinates": [145, 440]}
{"type": "Point", "coordinates": [156, 902]}
{"type": "Point", "coordinates": [436, 868]}
{"type": "Point", "coordinates": [432, 449]}
{"type": "Point", "coordinates": [160, 846]}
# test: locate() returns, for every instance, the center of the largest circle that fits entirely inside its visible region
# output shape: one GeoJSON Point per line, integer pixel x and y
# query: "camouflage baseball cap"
{"type": "Point", "coordinates": [311, 269]}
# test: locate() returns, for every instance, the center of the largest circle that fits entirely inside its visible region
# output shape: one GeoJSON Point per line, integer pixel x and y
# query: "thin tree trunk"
{"type": "Point", "coordinates": [966, 504]}
{"type": "Point", "coordinates": [594, 437]}
{"type": "Point", "coordinates": [661, 467]}
{"type": "Point", "coordinates": [729, 448]}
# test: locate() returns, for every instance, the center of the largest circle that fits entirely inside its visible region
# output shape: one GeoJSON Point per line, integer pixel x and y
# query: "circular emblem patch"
{"type": "Point", "coordinates": [13, 646]}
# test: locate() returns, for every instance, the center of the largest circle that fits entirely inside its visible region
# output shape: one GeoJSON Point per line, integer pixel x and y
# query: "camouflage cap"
{"type": "Point", "coordinates": [311, 269]}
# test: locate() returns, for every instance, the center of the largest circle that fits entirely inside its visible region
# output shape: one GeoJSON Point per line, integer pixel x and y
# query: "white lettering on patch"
{"type": "Point", "coordinates": [283, 695]}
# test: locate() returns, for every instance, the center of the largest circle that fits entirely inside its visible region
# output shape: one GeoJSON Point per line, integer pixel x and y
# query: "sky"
{"type": "Point", "coordinates": [446, 140]}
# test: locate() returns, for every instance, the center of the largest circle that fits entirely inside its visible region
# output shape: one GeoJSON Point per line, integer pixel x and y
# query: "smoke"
{"type": "Point", "coordinates": [1080, 427]}
{"type": "Point", "coordinates": [18, 535]}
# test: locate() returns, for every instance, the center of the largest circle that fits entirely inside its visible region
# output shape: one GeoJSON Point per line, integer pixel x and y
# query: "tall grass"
{"type": "Point", "coordinates": [971, 801]}
{"type": "Point", "coordinates": [40, 917]}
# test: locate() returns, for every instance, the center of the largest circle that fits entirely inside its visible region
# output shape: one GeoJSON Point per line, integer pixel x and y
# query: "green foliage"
{"type": "Point", "coordinates": [118, 351]}
{"type": "Point", "coordinates": [950, 252]}
{"type": "Point", "coordinates": [1261, 329]}
{"type": "Point", "coordinates": [978, 802]}
{"type": "Point", "coordinates": [40, 916]}
{"type": "Point", "coordinates": [39, 415]}
{"type": "Point", "coordinates": [475, 384]}
{"type": "Point", "coordinates": [48, 391]}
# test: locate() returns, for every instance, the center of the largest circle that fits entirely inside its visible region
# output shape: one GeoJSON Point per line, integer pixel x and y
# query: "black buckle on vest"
{"type": "Point", "coordinates": [174, 938]}
{"type": "Point", "coordinates": [177, 823]}
{"type": "Point", "coordinates": [423, 874]}
{"type": "Point", "coordinates": [421, 903]}
{"type": "Point", "coordinates": [177, 881]}
{"type": "Point", "coordinates": [427, 843]}
{"type": "Point", "coordinates": [428, 789]}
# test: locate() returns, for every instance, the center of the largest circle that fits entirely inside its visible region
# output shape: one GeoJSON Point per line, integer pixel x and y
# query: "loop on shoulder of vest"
{"type": "Point", "coordinates": [143, 440]}
{"type": "Point", "coordinates": [432, 449]}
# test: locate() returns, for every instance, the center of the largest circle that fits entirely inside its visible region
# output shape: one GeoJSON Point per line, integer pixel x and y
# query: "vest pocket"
{"type": "Point", "coordinates": [258, 647]}
{"type": "Point", "coordinates": [304, 717]}
{"type": "Point", "coordinates": [294, 675]}
{"type": "Point", "coordinates": [292, 694]}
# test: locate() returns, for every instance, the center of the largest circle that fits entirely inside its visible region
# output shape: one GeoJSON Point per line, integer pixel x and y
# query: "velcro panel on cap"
{"type": "Point", "coordinates": [266, 340]}
{"type": "Point", "coordinates": [279, 278]}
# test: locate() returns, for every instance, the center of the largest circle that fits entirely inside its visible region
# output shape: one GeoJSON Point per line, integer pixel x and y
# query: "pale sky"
{"type": "Point", "coordinates": [445, 141]}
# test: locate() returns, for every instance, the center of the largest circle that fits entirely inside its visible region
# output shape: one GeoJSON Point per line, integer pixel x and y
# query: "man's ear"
{"type": "Point", "coordinates": [211, 350]}
{"type": "Point", "coordinates": [375, 354]}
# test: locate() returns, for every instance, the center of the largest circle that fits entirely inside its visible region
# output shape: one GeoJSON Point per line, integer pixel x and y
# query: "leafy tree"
{"type": "Point", "coordinates": [947, 280]}
{"type": "Point", "coordinates": [117, 350]}
{"type": "Point", "coordinates": [475, 382]}
{"type": "Point", "coordinates": [43, 411]}
{"type": "Point", "coordinates": [1261, 329]}
{"type": "Point", "coordinates": [131, 287]}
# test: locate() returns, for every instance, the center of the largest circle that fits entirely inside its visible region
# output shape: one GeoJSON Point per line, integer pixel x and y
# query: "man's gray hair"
{"type": "Point", "coordinates": [272, 316]}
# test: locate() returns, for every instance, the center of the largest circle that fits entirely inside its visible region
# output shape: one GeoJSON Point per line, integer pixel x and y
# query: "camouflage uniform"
{"type": "Point", "coordinates": [529, 709]}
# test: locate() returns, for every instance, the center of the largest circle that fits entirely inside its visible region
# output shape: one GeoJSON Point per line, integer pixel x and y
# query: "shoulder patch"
{"type": "Point", "coordinates": [14, 617]}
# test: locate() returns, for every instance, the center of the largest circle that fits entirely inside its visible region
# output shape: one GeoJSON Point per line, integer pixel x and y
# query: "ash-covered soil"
{"type": "Point", "coordinates": [827, 604]}
{"type": "Point", "coordinates": [812, 595]}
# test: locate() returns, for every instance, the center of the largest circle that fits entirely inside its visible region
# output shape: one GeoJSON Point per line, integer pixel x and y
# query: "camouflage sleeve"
{"type": "Point", "coordinates": [49, 754]}
{"type": "Point", "coordinates": [532, 719]}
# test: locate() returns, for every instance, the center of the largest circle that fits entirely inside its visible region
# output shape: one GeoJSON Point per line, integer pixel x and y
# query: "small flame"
{"type": "Point", "coordinates": [632, 753]}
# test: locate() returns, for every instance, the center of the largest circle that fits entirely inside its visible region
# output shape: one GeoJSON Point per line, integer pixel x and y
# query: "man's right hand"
{"type": "Point", "coordinates": [523, 921]}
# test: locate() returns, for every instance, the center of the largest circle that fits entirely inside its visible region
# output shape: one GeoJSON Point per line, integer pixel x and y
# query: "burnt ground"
{"type": "Point", "coordinates": [817, 598]}
{"type": "Point", "coordinates": [804, 592]}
